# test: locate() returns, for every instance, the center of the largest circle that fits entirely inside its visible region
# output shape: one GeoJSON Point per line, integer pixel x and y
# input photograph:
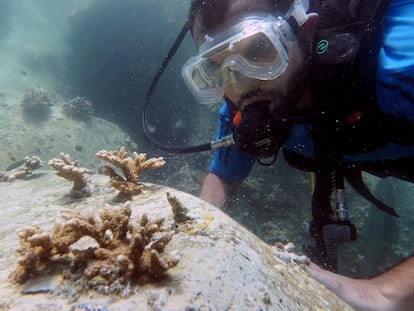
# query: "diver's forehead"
{"type": "Point", "coordinates": [236, 11]}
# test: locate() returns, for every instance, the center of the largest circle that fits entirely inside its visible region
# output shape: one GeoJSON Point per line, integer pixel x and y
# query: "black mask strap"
{"type": "Point", "coordinates": [293, 24]}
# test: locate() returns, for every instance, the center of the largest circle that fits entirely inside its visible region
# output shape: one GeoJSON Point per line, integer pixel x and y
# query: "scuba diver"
{"type": "Point", "coordinates": [332, 90]}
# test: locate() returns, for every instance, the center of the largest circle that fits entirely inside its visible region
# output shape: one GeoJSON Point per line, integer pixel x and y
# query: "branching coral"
{"type": "Point", "coordinates": [131, 169]}
{"type": "Point", "coordinates": [180, 212]}
{"type": "Point", "coordinates": [64, 167]}
{"type": "Point", "coordinates": [78, 108]}
{"type": "Point", "coordinates": [123, 249]}
{"type": "Point", "coordinates": [36, 104]}
{"type": "Point", "coordinates": [23, 171]}
{"type": "Point", "coordinates": [35, 249]}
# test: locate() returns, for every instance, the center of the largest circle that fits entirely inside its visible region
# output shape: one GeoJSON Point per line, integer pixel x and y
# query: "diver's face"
{"type": "Point", "coordinates": [286, 89]}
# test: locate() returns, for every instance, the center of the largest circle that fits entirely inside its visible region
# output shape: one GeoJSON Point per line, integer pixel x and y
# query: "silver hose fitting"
{"type": "Point", "coordinates": [225, 141]}
{"type": "Point", "coordinates": [341, 208]}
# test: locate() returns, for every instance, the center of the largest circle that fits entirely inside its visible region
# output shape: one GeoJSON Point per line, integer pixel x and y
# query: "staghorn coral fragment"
{"type": "Point", "coordinates": [131, 168]}
{"type": "Point", "coordinates": [151, 264]}
{"type": "Point", "coordinates": [69, 232]}
{"type": "Point", "coordinates": [23, 171]}
{"type": "Point", "coordinates": [64, 167]}
{"type": "Point", "coordinates": [179, 210]}
{"type": "Point", "coordinates": [117, 222]}
{"type": "Point", "coordinates": [118, 249]}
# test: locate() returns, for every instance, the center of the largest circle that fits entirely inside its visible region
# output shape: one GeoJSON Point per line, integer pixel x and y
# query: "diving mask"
{"type": "Point", "coordinates": [255, 48]}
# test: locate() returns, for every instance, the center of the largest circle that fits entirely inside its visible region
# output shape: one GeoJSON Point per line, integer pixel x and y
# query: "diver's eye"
{"type": "Point", "coordinates": [260, 49]}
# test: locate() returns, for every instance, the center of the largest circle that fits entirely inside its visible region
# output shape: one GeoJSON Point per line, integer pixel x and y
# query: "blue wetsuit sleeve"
{"type": "Point", "coordinates": [228, 163]}
{"type": "Point", "coordinates": [395, 84]}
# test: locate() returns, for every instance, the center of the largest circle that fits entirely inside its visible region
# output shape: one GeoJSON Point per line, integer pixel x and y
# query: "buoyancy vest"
{"type": "Point", "coordinates": [345, 62]}
{"type": "Point", "coordinates": [346, 117]}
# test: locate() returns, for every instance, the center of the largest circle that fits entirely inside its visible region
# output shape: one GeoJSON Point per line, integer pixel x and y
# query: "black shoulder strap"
{"type": "Point", "coordinates": [372, 12]}
{"type": "Point", "coordinates": [354, 177]}
{"type": "Point", "coordinates": [343, 25]}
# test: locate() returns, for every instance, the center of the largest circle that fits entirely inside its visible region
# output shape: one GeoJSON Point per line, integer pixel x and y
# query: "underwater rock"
{"type": "Point", "coordinates": [222, 266]}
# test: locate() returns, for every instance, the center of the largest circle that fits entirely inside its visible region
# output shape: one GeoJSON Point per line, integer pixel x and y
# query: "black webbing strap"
{"type": "Point", "coordinates": [326, 77]}
{"type": "Point", "coordinates": [335, 51]}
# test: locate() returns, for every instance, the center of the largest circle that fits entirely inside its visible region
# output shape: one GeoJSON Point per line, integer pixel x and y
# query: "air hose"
{"type": "Point", "coordinates": [223, 142]}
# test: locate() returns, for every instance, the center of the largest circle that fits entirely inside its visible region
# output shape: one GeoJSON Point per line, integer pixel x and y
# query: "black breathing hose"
{"type": "Point", "coordinates": [156, 144]}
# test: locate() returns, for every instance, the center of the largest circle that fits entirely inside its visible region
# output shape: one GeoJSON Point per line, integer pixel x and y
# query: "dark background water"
{"type": "Point", "coordinates": [112, 51]}
{"type": "Point", "coordinates": [116, 49]}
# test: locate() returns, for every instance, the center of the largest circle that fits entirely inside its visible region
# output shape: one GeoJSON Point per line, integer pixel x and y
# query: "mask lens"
{"type": "Point", "coordinates": [206, 76]}
{"type": "Point", "coordinates": [256, 57]}
{"type": "Point", "coordinates": [259, 49]}
{"type": "Point", "coordinates": [204, 80]}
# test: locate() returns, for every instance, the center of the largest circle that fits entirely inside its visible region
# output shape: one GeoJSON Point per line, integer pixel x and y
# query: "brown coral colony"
{"type": "Point", "coordinates": [36, 104]}
{"type": "Point", "coordinates": [124, 248]}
